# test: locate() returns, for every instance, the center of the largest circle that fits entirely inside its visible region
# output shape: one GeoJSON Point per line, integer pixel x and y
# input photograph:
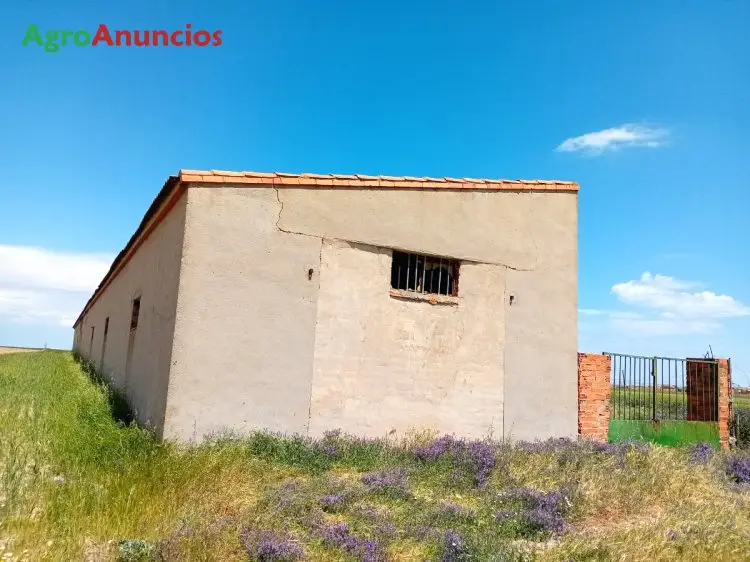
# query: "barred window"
{"type": "Point", "coordinates": [135, 312]}
{"type": "Point", "coordinates": [423, 274]}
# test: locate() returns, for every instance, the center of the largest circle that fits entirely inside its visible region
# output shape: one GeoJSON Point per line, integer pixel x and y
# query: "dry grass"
{"type": "Point", "coordinates": [74, 483]}
{"type": "Point", "coordinates": [6, 350]}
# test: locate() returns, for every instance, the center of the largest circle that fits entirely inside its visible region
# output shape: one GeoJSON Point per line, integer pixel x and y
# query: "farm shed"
{"type": "Point", "coordinates": [371, 304]}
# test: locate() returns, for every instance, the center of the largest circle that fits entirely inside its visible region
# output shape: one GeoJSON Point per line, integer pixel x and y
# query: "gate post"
{"type": "Point", "coordinates": [653, 389]}
{"type": "Point", "coordinates": [594, 393]}
{"type": "Point", "coordinates": [725, 391]}
{"type": "Point", "coordinates": [705, 401]}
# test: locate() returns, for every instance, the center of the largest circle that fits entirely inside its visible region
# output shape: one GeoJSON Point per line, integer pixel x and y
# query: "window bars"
{"type": "Point", "coordinates": [424, 274]}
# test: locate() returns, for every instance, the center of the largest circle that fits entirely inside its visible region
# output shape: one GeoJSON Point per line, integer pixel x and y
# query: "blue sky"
{"type": "Point", "coordinates": [646, 104]}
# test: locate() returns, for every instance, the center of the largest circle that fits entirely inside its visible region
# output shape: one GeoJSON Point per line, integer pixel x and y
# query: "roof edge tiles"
{"type": "Point", "coordinates": [369, 182]}
{"type": "Point", "coordinates": [174, 188]}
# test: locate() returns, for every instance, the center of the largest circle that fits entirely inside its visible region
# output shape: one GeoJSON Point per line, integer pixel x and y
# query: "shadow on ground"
{"type": "Point", "coordinates": [118, 403]}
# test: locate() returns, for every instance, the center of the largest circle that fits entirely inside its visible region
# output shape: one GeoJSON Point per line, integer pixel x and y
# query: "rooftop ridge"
{"type": "Point", "coordinates": [367, 181]}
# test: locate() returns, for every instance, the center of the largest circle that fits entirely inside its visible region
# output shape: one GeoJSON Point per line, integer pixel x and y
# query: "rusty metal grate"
{"type": "Point", "coordinates": [419, 273]}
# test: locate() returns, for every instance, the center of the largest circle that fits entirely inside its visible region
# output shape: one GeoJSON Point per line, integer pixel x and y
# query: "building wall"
{"type": "Point", "coordinates": [386, 364]}
{"type": "Point", "coordinates": [257, 344]}
{"type": "Point", "coordinates": [542, 324]}
{"type": "Point", "coordinates": [152, 273]}
{"type": "Point", "coordinates": [246, 322]}
{"type": "Point", "coordinates": [531, 235]}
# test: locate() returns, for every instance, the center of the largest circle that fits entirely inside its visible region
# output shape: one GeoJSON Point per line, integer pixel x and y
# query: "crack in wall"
{"type": "Point", "coordinates": [322, 240]}
{"type": "Point", "coordinates": [315, 342]}
{"type": "Point", "coordinates": [278, 220]}
{"type": "Point", "coordinates": [375, 246]}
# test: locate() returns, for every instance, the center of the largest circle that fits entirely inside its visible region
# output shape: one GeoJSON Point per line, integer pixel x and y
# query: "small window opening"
{"type": "Point", "coordinates": [104, 342]}
{"type": "Point", "coordinates": [134, 315]}
{"type": "Point", "coordinates": [424, 274]}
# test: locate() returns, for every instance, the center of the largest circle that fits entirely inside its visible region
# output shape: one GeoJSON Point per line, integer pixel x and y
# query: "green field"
{"type": "Point", "coordinates": [742, 401]}
{"type": "Point", "coordinates": [77, 485]}
{"type": "Point", "coordinates": [637, 404]}
{"type": "Point", "coordinates": [631, 403]}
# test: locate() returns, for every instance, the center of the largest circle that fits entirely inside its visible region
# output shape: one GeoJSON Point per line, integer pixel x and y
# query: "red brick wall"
{"type": "Point", "coordinates": [725, 386]}
{"type": "Point", "coordinates": [594, 392]}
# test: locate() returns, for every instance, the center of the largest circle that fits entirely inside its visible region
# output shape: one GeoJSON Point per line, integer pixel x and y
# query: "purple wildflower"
{"type": "Point", "coordinates": [544, 519]}
{"type": "Point", "coordinates": [330, 449]}
{"type": "Point", "coordinates": [701, 453]}
{"type": "Point", "coordinates": [268, 546]}
{"type": "Point", "coordinates": [477, 456]}
{"type": "Point", "coordinates": [541, 511]}
{"type": "Point", "coordinates": [738, 469]}
{"type": "Point", "coordinates": [671, 534]}
{"type": "Point", "coordinates": [393, 479]}
{"type": "Point", "coordinates": [285, 496]}
{"type": "Point", "coordinates": [599, 447]}
{"type": "Point", "coordinates": [450, 509]}
{"type": "Point", "coordinates": [383, 526]}
{"type": "Point", "coordinates": [453, 547]}
{"type": "Point", "coordinates": [482, 459]}
{"type": "Point", "coordinates": [329, 444]}
{"type": "Point", "coordinates": [438, 447]}
{"type": "Point", "coordinates": [551, 445]}
{"type": "Point", "coordinates": [386, 529]}
{"type": "Point", "coordinates": [332, 501]}
{"type": "Point", "coordinates": [338, 535]}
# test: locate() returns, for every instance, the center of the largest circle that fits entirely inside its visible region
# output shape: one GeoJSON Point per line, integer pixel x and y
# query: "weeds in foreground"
{"type": "Point", "coordinates": [78, 478]}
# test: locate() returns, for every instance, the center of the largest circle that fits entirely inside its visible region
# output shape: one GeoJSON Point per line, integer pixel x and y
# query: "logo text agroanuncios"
{"type": "Point", "coordinates": [55, 39]}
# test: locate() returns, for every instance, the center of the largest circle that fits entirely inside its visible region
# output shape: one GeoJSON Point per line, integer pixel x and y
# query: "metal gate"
{"type": "Point", "coordinates": [664, 399]}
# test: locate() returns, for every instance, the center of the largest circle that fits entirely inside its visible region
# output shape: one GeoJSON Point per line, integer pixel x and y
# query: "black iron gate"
{"type": "Point", "coordinates": [664, 388]}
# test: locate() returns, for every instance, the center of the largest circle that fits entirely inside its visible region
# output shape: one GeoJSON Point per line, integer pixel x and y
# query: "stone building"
{"type": "Point", "coordinates": [372, 304]}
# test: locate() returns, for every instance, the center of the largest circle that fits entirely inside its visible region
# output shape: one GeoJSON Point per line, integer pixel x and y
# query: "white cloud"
{"type": "Point", "coordinates": [661, 305]}
{"type": "Point", "coordinates": [46, 287]}
{"type": "Point", "coordinates": [678, 300]}
{"type": "Point", "coordinates": [659, 315]}
{"type": "Point", "coordinates": [627, 135]}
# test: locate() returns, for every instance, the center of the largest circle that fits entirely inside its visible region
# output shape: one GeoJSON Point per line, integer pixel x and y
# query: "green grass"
{"type": "Point", "coordinates": [742, 401]}
{"type": "Point", "coordinates": [74, 483]}
{"type": "Point", "coordinates": [667, 433]}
